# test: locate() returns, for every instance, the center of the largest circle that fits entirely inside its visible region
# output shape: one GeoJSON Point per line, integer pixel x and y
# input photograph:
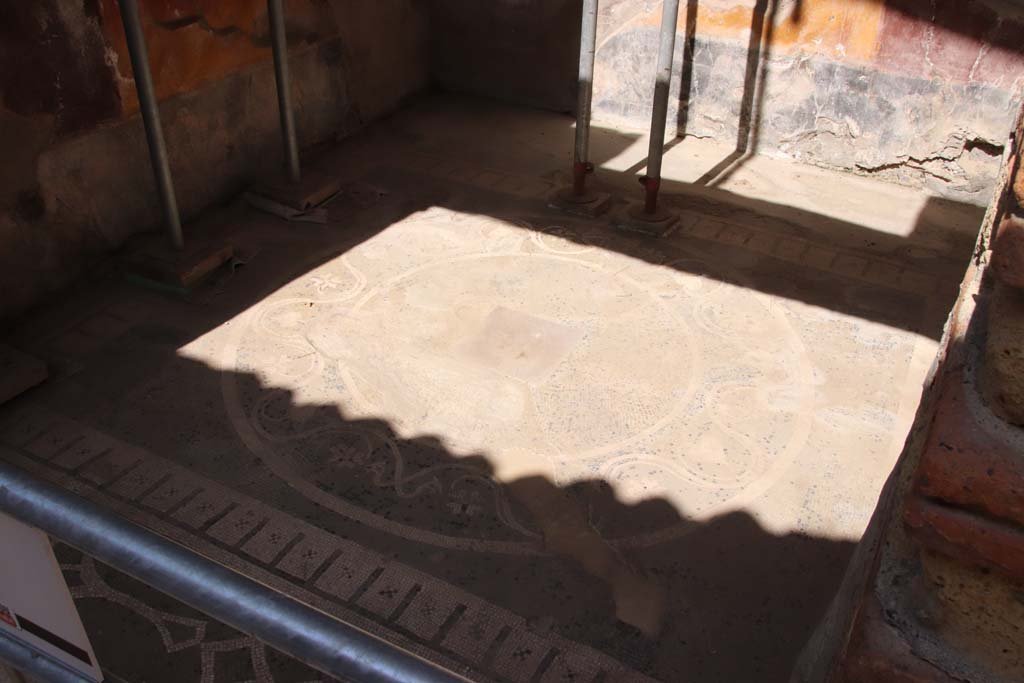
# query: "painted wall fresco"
{"type": "Point", "coordinates": [919, 92]}
{"type": "Point", "coordinates": [192, 42]}
{"type": "Point", "coordinates": [76, 180]}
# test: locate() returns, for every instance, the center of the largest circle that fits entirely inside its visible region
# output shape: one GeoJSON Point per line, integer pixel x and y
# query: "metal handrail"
{"type": "Point", "coordinates": [26, 659]}
{"type": "Point", "coordinates": [299, 630]}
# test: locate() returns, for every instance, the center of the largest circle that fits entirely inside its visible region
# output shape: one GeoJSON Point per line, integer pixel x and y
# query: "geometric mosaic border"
{"type": "Point", "coordinates": [393, 601]}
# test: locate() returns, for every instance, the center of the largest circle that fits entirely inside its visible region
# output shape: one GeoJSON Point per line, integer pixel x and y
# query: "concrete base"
{"type": "Point", "coordinates": [152, 261]}
{"type": "Point", "coordinates": [633, 218]}
{"type": "Point", "coordinates": [590, 205]}
{"type": "Point", "coordinates": [315, 188]}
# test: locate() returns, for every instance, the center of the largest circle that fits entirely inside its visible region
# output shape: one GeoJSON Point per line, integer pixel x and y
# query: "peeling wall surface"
{"type": "Point", "coordinates": [76, 180]}
{"type": "Point", "coordinates": [919, 92]}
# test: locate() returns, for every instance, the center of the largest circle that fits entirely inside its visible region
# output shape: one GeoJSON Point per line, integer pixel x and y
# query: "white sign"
{"type": "Point", "coordinates": [35, 604]}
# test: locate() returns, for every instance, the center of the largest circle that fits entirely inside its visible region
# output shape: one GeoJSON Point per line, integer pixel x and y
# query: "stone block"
{"type": "Point", "coordinates": [968, 537]}
{"type": "Point", "coordinates": [1018, 185]}
{"type": "Point", "coordinates": [877, 652]}
{"type": "Point", "coordinates": [1008, 250]}
{"type": "Point", "coordinates": [966, 463]}
{"type": "Point", "coordinates": [1003, 372]}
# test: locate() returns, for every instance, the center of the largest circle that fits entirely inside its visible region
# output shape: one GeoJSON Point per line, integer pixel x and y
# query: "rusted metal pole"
{"type": "Point", "coordinates": [585, 91]}
{"type": "Point", "coordinates": [151, 119]}
{"type": "Point", "coordinates": [666, 49]}
{"type": "Point", "coordinates": [279, 43]}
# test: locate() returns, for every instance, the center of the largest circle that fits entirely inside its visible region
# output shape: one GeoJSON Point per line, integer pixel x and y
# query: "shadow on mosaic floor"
{"type": "Point", "coordinates": [580, 557]}
{"type": "Point", "coordinates": [724, 599]}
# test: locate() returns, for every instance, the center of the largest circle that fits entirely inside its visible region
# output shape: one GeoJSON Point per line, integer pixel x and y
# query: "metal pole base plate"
{"type": "Point", "coordinates": [589, 204]}
{"type": "Point", "coordinates": [312, 190]}
{"type": "Point", "coordinates": [150, 261]}
{"type": "Point", "coordinates": [632, 217]}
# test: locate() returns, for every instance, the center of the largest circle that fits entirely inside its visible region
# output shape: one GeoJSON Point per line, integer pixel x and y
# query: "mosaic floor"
{"type": "Point", "coordinates": [527, 446]}
{"type": "Point", "coordinates": [166, 639]}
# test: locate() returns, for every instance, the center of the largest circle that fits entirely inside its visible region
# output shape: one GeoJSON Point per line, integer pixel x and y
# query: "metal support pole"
{"type": "Point", "coordinates": [151, 118]}
{"type": "Point", "coordinates": [279, 41]}
{"type": "Point", "coordinates": [305, 633]}
{"type": "Point", "coordinates": [585, 90]}
{"type": "Point", "coordinates": [24, 659]}
{"type": "Point", "coordinates": [667, 46]}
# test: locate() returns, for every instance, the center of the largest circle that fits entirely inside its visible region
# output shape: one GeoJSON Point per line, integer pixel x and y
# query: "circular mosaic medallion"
{"type": "Point", "coordinates": [406, 382]}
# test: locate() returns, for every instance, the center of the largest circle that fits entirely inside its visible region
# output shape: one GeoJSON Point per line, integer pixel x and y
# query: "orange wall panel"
{"type": "Point", "coordinates": [192, 42]}
{"type": "Point", "coordinates": [837, 28]}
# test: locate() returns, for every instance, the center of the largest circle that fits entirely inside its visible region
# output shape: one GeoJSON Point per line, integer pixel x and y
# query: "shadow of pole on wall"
{"type": "Point", "coordinates": [762, 29]}
{"type": "Point", "coordinates": [685, 84]}
{"type": "Point", "coordinates": [686, 77]}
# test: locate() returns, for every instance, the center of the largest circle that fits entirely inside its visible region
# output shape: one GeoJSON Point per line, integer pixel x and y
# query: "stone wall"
{"type": "Point", "coordinates": [919, 92]}
{"type": "Point", "coordinates": [933, 592]}
{"type": "Point", "coordinates": [76, 181]}
{"type": "Point", "coordinates": [521, 51]}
